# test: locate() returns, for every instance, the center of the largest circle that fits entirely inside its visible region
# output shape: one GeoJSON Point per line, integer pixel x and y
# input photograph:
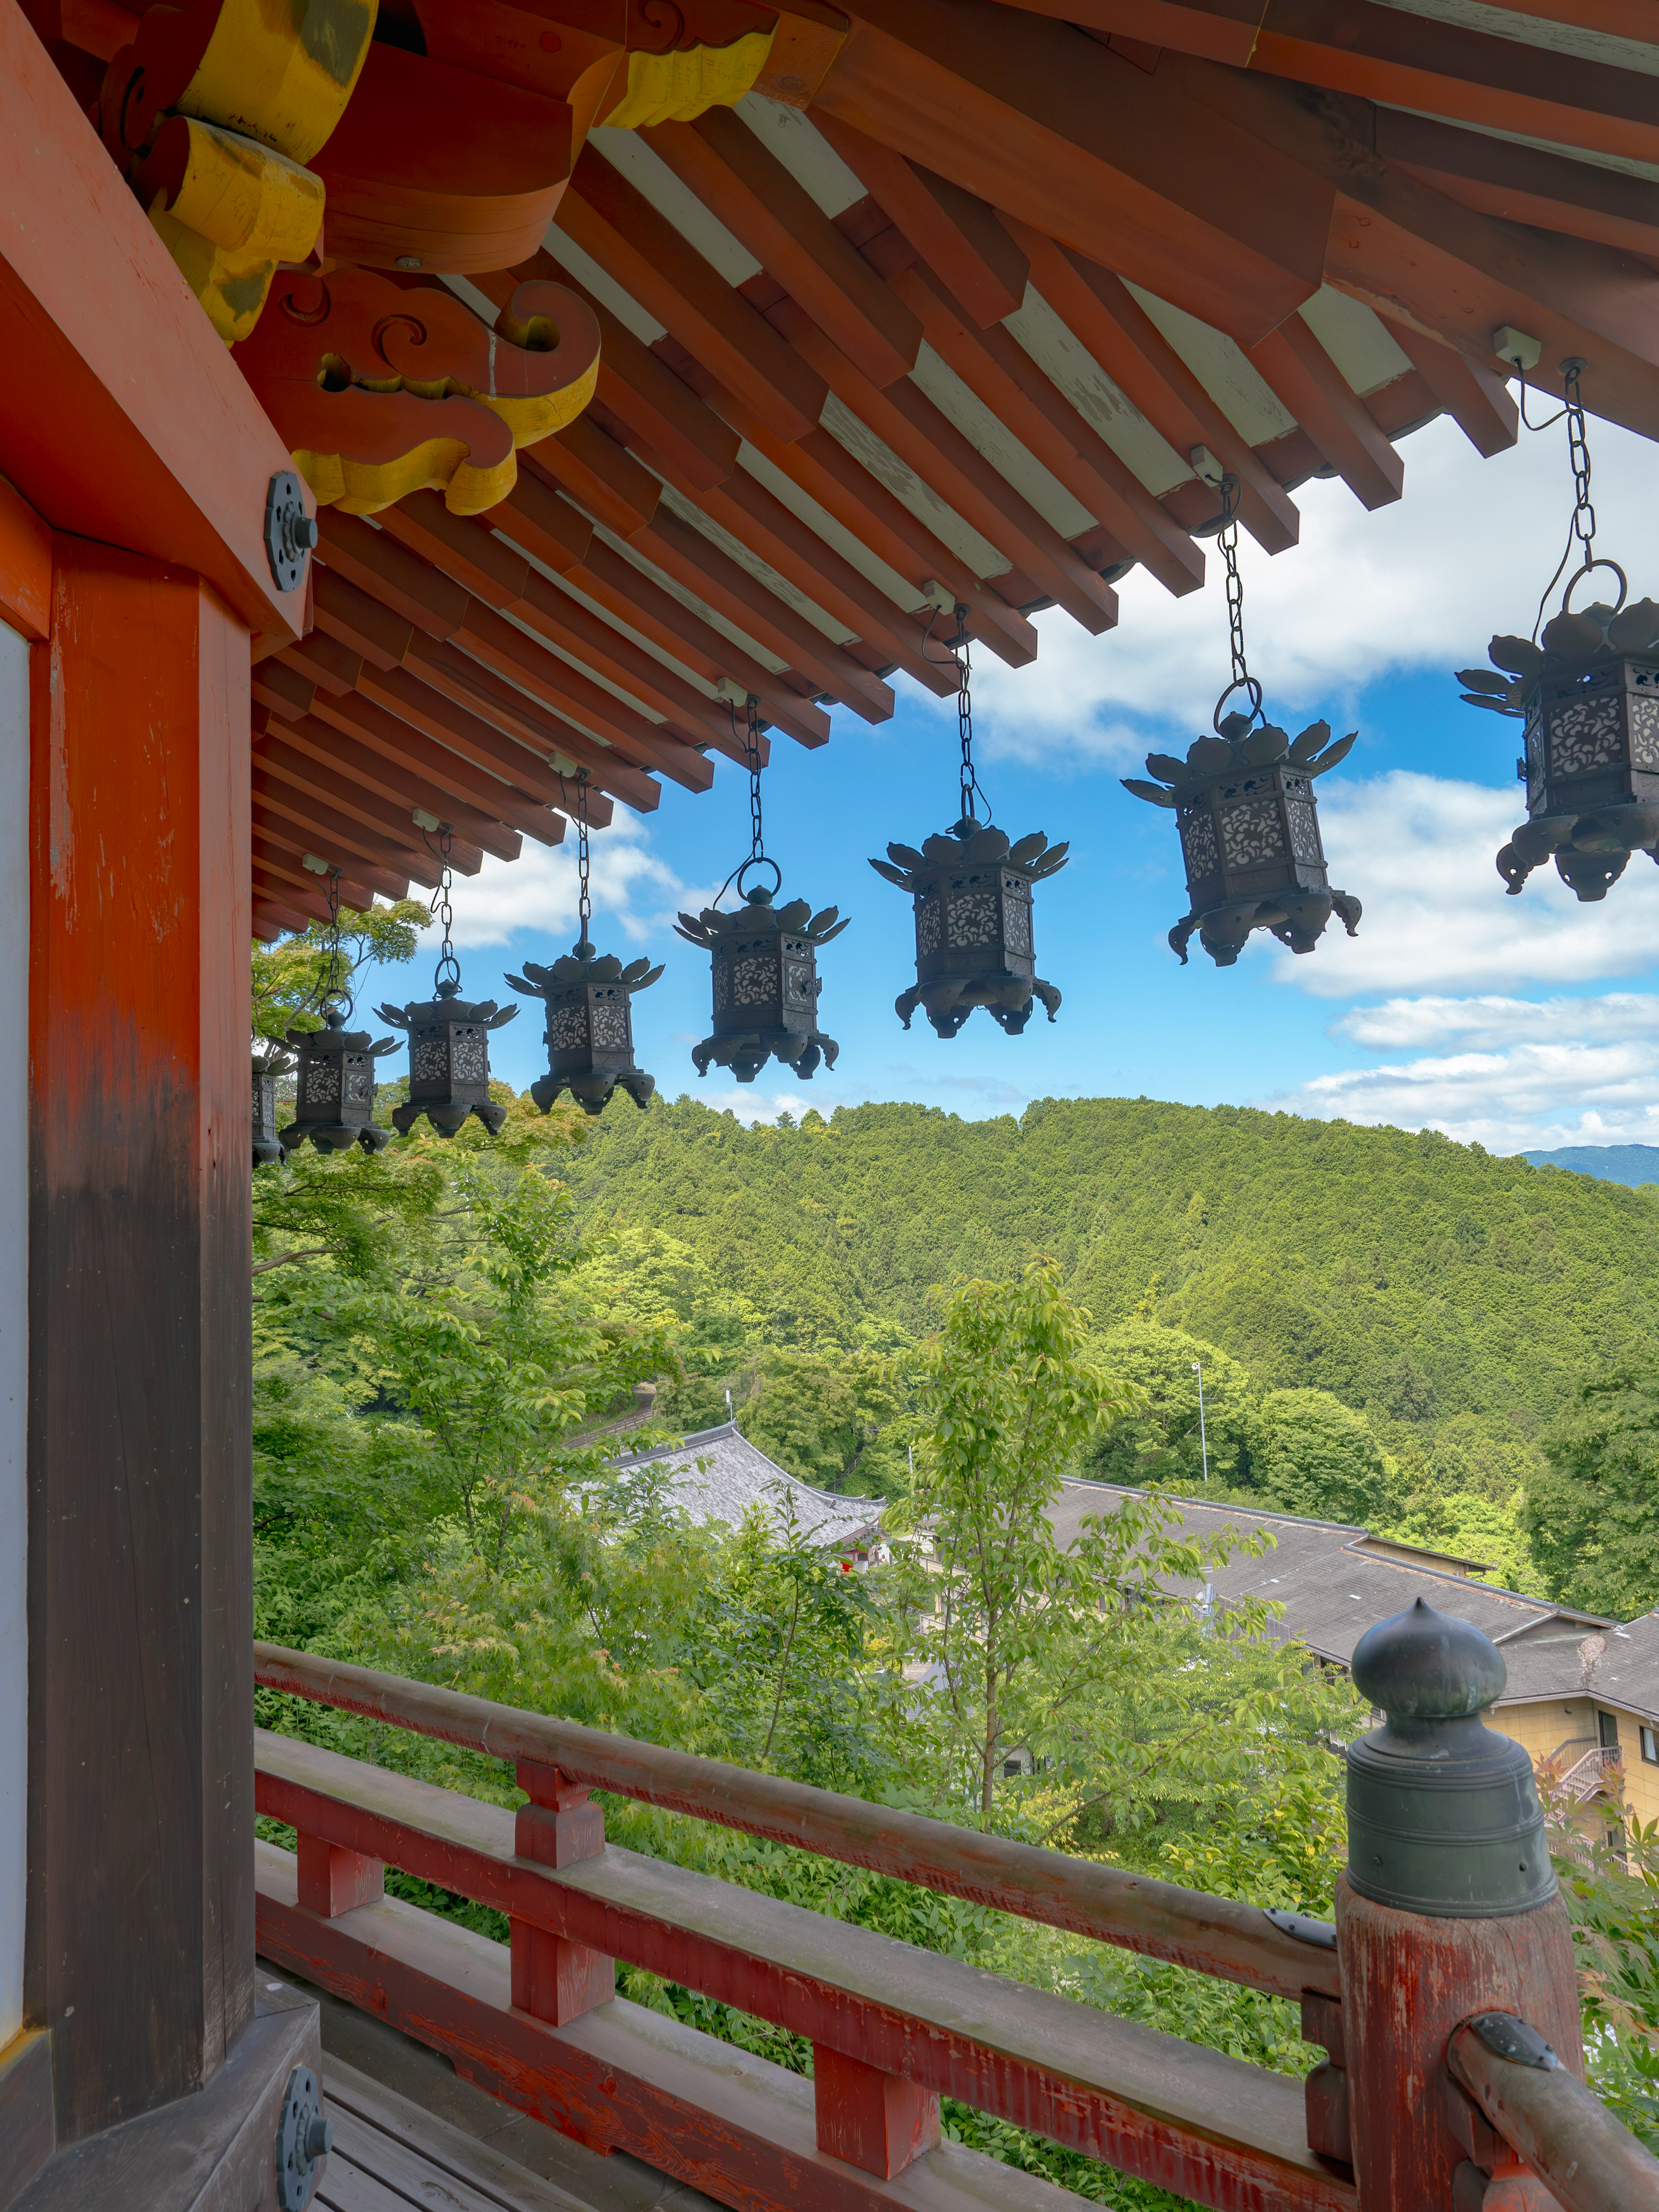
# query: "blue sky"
{"type": "Point", "coordinates": [1515, 1022]}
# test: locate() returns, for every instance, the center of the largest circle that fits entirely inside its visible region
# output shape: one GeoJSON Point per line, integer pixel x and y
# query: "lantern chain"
{"type": "Point", "coordinates": [330, 982]}
{"type": "Point", "coordinates": [1581, 529]}
{"type": "Point", "coordinates": [448, 968]}
{"type": "Point", "coordinates": [583, 901]}
{"type": "Point", "coordinates": [972, 789]}
{"type": "Point", "coordinates": [1227, 539]}
{"type": "Point", "coordinates": [752, 737]}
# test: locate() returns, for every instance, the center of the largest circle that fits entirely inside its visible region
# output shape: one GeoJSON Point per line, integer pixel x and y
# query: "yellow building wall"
{"type": "Point", "coordinates": [1544, 1724]}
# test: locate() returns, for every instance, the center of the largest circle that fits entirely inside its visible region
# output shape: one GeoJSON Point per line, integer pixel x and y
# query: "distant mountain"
{"type": "Point", "coordinates": [1424, 1282]}
{"type": "Point", "coordinates": [1631, 1164]}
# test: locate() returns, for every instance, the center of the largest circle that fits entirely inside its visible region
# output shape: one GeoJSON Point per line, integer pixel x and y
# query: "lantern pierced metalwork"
{"type": "Point", "coordinates": [448, 1038]}
{"type": "Point", "coordinates": [589, 997]}
{"type": "Point", "coordinates": [1587, 693]}
{"type": "Point", "coordinates": [270, 1064]}
{"type": "Point", "coordinates": [1244, 800]}
{"type": "Point", "coordinates": [334, 1087]}
{"type": "Point", "coordinates": [763, 961]}
{"type": "Point", "coordinates": [970, 890]}
{"type": "Point", "coordinates": [972, 894]}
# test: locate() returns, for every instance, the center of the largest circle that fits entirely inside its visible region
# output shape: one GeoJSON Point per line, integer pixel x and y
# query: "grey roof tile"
{"type": "Point", "coordinates": [719, 1475]}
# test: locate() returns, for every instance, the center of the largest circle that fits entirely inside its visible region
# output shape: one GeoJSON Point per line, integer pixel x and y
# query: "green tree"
{"type": "Point", "coordinates": [1022, 1635]}
{"type": "Point", "coordinates": [1314, 1456]}
{"type": "Point", "coordinates": [1592, 1513]}
{"type": "Point", "coordinates": [1156, 1438]}
{"type": "Point", "coordinates": [292, 976]}
{"type": "Point", "coordinates": [833, 1420]}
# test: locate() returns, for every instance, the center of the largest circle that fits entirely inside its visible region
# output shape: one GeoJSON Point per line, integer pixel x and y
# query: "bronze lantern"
{"type": "Point", "coordinates": [334, 1087]}
{"type": "Point", "coordinates": [763, 960]}
{"type": "Point", "coordinates": [1587, 695]}
{"type": "Point", "coordinates": [971, 892]}
{"type": "Point", "coordinates": [1244, 801]}
{"type": "Point", "coordinates": [448, 1060]}
{"type": "Point", "coordinates": [267, 1067]}
{"type": "Point", "coordinates": [972, 895]}
{"type": "Point", "coordinates": [766, 983]}
{"type": "Point", "coordinates": [590, 1026]}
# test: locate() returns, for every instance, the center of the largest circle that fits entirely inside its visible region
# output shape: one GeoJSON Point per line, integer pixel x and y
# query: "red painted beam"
{"type": "Point", "coordinates": [1299, 371]}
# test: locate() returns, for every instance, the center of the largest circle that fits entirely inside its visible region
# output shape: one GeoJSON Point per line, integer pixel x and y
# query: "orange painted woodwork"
{"type": "Point", "coordinates": [601, 475]}
{"type": "Point", "coordinates": [1299, 371]}
{"type": "Point", "coordinates": [304, 905]}
{"type": "Point", "coordinates": [759, 519]}
{"type": "Point", "coordinates": [173, 459]}
{"type": "Point", "coordinates": [571, 54]}
{"type": "Point", "coordinates": [332, 836]}
{"type": "Point", "coordinates": [803, 47]}
{"type": "Point", "coordinates": [329, 738]}
{"type": "Point", "coordinates": [636, 384]}
{"type": "Point", "coordinates": [1412, 254]}
{"type": "Point", "coordinates": [744, 185]}
{"type": "Point", "coordinates": [275, 755]}
{"type": "Point", "coordinates": [1141, 360]}
{"type": "Point", "coordinates": [139, 1400]}
{"type": "Point", "coordinates": [997, 368]}
{"type": "Point", "coordinates": [333, 1881]}
{"type": "Point", "coordinates": [878, 2122]}
{"type": "Point", "coordinates": [1043, 120]}
{"type": "Point", "coordinates": [456, 171]}
{"type": "Point", "coordinates": [623, 232]}
{"type": "Point", "coordinates": [1524, 184]}
{"type": "Point", "coordinates": [387, 749]}
{"type": "Point", "coordinates": [697, 565]}
{"type": "Point", "coordinates": [285, 872]}
{"type": "Point", "coordinates": [1408, 1981]}
{"type": "Point", "coordinates": [957, 235]}
{"type": "Point", "coordinates": [25, 567]}
{"type": "Point", "coordinates": [1475, 395]}
{"type": "Point", "coordinates": [276, 841]}
{"type": "Point", "coordinates": [925, 438]}
{"type": "Point", "coordinates": [379, 390]}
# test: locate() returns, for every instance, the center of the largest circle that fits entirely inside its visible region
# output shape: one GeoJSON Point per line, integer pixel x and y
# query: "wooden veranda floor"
{"type": "Point", "coordinates": [409, 2133]}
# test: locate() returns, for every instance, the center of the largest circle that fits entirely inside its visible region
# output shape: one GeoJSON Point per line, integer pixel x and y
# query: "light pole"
{"type": "Point", "coordinates": [1203, 1440]}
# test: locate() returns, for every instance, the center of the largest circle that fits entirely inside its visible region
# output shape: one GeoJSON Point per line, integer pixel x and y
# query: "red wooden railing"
{"type": "Point", "coordinates": [892, 2027]}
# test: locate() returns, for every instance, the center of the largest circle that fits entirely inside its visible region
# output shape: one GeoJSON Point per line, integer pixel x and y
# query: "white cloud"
{"type": "Point", "coordinates": [1489, 1023]}
{"type": "Point", "coordinates": [1425, 582]}
{"type": "Point", "coordinates": [1417, 851]}
{"type": "Point", "coordinates": [634, 891]}
{"type": "Point", "coordinates": [752, 1105]}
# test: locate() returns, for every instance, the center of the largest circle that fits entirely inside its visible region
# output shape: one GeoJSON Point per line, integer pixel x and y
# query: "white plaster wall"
{"type": "Point", "coordinates": [14, 1295]}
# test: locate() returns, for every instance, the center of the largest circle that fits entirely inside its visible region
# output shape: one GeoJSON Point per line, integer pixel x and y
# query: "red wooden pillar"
{"type": "Point", "coordinates": [875, 2121]}
{"type": "Point", "coordinates": [332, 1880]}
{"type": "Point", "coordinates": [140, 1939]}
{"type": "Point", "coordinates": [554, 1979]}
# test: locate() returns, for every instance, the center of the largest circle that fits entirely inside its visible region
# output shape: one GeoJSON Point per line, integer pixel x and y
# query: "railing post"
{"type": "Point", "coordinates": [1449, 1908]}
{"type": "Point", "coordinates": [1326, 2089]}
{"type": "Point", "coordinates": [554, 1979]}
{"type": "Point", "coordinates": [875, 2121]}
{"type": "Point", "coordinates": [332, 1880]}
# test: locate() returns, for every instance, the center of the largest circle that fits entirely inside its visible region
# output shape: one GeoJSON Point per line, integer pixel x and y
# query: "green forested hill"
{"type": "Point", "coordinates": [1417, 1279]}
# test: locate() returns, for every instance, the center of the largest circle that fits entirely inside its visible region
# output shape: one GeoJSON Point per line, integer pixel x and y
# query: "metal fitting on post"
{"type": "Point", "coordinates": [1444, 1817]}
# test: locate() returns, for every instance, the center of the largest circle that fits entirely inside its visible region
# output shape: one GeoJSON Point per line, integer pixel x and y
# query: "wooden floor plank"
{"type": "Point", "coordinates": [345, 2187]}
{"type": "Point", "coordinates": [480, 2180]}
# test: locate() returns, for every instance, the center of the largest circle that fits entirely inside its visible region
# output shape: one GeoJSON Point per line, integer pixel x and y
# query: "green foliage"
{"type": "Point", "coordinates": [291, 977]}
{"type": "Point", "coordinates": [834, 1419]}
{"type": "Point", "coordinates": [1415, 1279]}
{"type": "Point", "coordinates": [1158, 1440]}
{"type": "Point", "coordinates": [1315, 1456]}
{"type": "Point", "coordinates": [1593, 1513]}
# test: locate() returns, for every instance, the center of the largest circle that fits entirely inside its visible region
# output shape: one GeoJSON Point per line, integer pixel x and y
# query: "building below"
{"type": "Point", "coordinates": [717, 1474]}
{"type": "Point", "coordinates": [1582, 1691]}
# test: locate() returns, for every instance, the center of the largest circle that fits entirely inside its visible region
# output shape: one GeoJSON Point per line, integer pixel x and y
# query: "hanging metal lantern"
{"type": "Point", "coordinates": [1244, 800]}
{"type": "Point", "coordinates": [764, 961]}
{"type": "Point", "coordinates": [267, 1067]}
{"type": "Point", "coordinates": [334, 1087]}
{"type": "Point", "coordinates": [448, 1039]}
{"type": "Point", "coordinates": [589, 1000]}
{"type": "Point", "coordinates": [1588, 694]}
{"type": "Point", "coordinates": [971, 891]}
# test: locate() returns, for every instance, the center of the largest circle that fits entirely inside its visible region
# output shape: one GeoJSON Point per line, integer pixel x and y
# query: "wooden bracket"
{"type": "Point", "coordinates": [333, 1880]}
{"type": "Point", "coordinates": [553, 1978]}
{"type": "Point", "coordinates": [875, 2121]}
